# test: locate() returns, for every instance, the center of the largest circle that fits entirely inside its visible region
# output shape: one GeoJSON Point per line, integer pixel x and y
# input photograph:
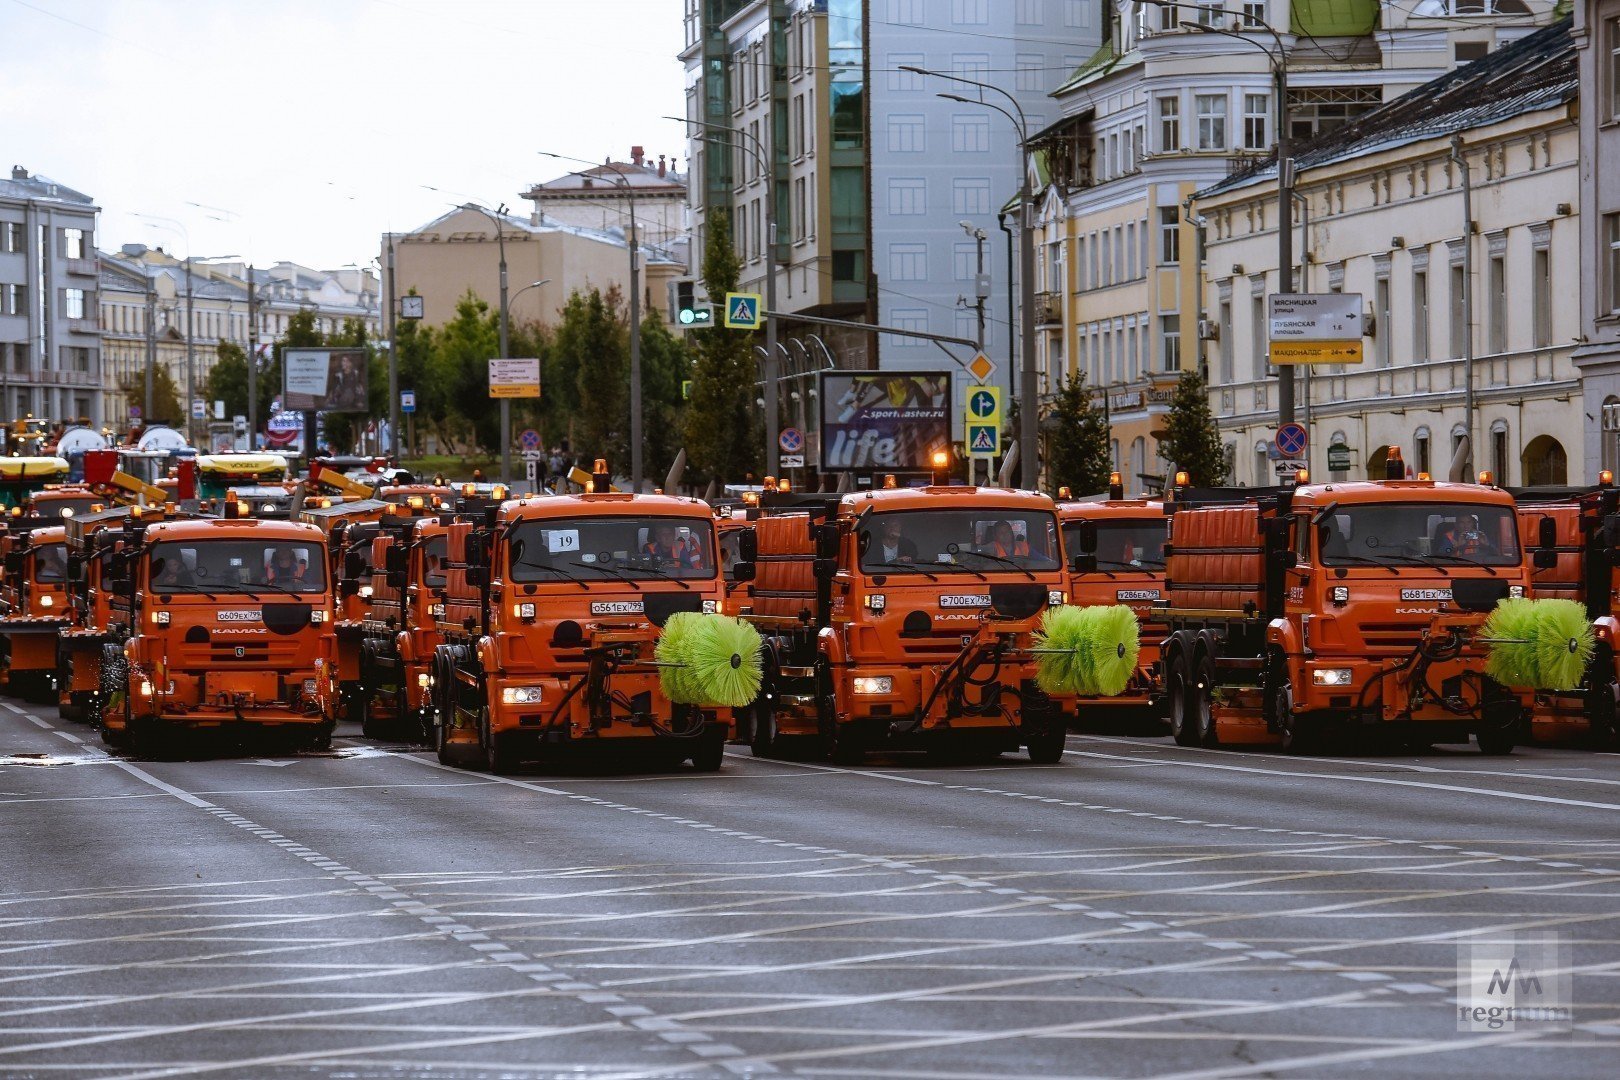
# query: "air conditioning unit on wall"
{"type": "Point", "coordinates": [1209, 330]}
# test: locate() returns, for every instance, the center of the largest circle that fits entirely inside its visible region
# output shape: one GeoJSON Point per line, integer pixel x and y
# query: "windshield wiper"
{"type": "Point", "coordinates": [665, 574]}
{"type": "Point", "coordinates": [183, 589]}
{"type": "Point", "coordinates": [609, 570]}
{"type": "Point", "coordinates": [902, 566]}
{"type": "Point", "coordinates": [252, 589]}
{"type": "Point", "coordinates": [559, 571]}
{"type": "Point", "coordinates": [1001, 559]}
{"type": "Point", "coordinates": [1361, 560]}
{"type": "Point", "coordinates": [1465, 560]}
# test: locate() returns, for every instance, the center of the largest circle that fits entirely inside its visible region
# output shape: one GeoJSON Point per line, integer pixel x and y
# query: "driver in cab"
{"type": "Point", "coordinates": [1004, 545]}
{"type": "Point", "coordinates": [665, 548]}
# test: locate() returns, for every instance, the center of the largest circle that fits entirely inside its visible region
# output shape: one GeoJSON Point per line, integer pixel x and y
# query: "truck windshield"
{"type": "Point", "coordinates": [225, 566]}
{"type": "Point", "coordinates": [1122, 543]}
{"type": "Point", "coordinates": [433, 556]}
{"type": "Point", "coordinates": [983, 540]}
{"type": "Point", "coordinates": [50, 562]}
{"type": "Point", "coordinates": [1394, 532]}
{"type": "Point", "coordinates": [608, 548]}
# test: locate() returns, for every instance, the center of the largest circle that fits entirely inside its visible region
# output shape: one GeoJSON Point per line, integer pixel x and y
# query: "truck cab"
{"type": "Point", "coordinates": [218, 474]}
{"type": "Point", "coordinates": [230, 625]}
{"type": "Point", "coordinates": [1116, 552]}
{"type": "Point", "coordinates": [552, 614]}
{"type": "Point", "coordinates": [92, 539]}
{"type": "Point", "coordinates": [36, 611]}
{"type": "Point", "coordinates": [904, 619]}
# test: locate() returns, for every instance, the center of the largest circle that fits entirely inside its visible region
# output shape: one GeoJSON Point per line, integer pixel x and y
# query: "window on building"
{"type": "Point", "coordinates": [1541, 297]}
{"type": "Point", "coordinates": [1420, 443]}
{"type": "Point", "coordinates": [1031, 73]}
{"type": "Point", "coordinates": [1082, 279]}
{"type": "Point", "coordinates": [15, 299]}
{"type": "Point", "coordinates": [1077, 14]}
{"type": "Point", "coordinates": [73, 303]}
{"type": "Point", "coordinates": [1612, 32]}
{"type": "Point", "coordinates": [11, 237]}
{"type": "Point", "coordinates": [908, 262]}
{"type": "Point", "coordinates": [1496, 282]}
{"type": "Point", "coordinates": [906, 133]}
{"type": "Point", "coordinates": [1210, 111]}
{"type": "Point", "coordinates": [906, 12]}
{"type": "Point", "coordinates": [970, 195]}
{"type": "Point", "coordinates": [970, 12]}
{"type": "Point", "coordinates": [964, 260]}
{"type": "Point", "coordinates": [1611, 238]}
{"type": "Point", "coordinates": [797, 146]}
{"type": "Point", "coordinates": [974, 66]}
{"type": "Point", "coordinates": [1256, 121]}
{"type": "Point", "coordinates": [799, 214]}
{"type": "Point", "coordinates": [908, 196]}
{"type": "Point", "coordinates": [1499, 452]}
{"type": "Point", "coordinates": [1169, 236]}
{"type": "Point", "coordinates": [73, 243]}
{"type": "Point", "coordinates": [849, 266]}
{"type": "Point", "coordinates": [1383, 332]}
{"type": "Point", "coordinates": [75, 358]}
{"type": "Point", "coordinates": [1254, 13]}
{"type": "Point", "coordinates": [1169, 125]}
{"type": "Point", "coordinates": [1130, 251]}
{"type": "Point", "coordinates": [848, 200]}
{"type": "Point", "coordinates": [1459, 323]}
{"type": "Point", "coordinates": [970, 134]}
{"type": "Point", "coordinates": [1030, 12]}
{"type": "Point", "coordinates": [1258, 333]}
{"type": "Point", "coordinates": [905, 81]}
{"type": "Point", "coordinates": [1170, 342]}
{"type": "Point", "coordinates": [1227, 374]}
{"type": "Point", "coordinates": [1420, 316]}
{"type": "Point", "coordinates": [911, 319]}
{"type": "Point", "coordinates": [1314, 111]}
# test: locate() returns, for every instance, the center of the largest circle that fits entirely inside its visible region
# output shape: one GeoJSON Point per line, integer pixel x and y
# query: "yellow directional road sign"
{"type": "Point", "coordinates": [743, 311]}
{"type": "Point", "coordinates": [1316, 352]}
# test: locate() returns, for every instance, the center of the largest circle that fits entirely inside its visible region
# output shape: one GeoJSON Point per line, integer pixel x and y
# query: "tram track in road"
{"type": "Point", "coordinates": [791, 917]}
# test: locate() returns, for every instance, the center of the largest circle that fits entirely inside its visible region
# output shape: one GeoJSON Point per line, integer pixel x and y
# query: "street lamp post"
{"type": "Point", "coordinates": [1028, 395]}
{"type": "Point", "coordinates": [538, 360]}
{"type": "Point", "coordinates": [191, 356]}
{"type": "Point", "coordinates": [637, 420]}
{"type": "Point", "coordinates": [393, 361]}
{"type": "Point", "coordinates": [772, 371]}
{"type": "Point", "coordinates": [497, 216]}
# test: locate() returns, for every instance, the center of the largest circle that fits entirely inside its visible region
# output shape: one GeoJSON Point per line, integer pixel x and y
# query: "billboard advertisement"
{"type": "Point", "coordinates": [872, 421]}
{"type": "Point", "coordinates": [333, 380]}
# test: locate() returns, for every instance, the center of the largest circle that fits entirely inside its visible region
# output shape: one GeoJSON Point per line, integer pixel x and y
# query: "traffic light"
{"type": "Point", "coordinates": [686, 309]}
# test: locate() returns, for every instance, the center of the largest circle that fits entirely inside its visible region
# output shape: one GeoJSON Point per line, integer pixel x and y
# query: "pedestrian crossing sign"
{"type": "Point", "coordinates": [742, 311]}
{"type": "Point", "coordinates": [984, 440]}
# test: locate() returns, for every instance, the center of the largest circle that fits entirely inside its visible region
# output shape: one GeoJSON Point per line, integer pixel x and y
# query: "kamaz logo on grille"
{"type": "Point", "coordinates": [1137, 594]}
{"type": "Point", "coordinates": [243, 615]}
{"type": "Point", "coordinates": [964, 600]}
{"type": "Point", "coordinates": [616, 607]}
{"type": "Point", "coordinates": [1426, 594]}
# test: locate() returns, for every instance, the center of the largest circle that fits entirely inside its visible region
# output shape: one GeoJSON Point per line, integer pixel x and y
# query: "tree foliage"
{"type": "Point", "coordinates": [227, 379]}
{"type": "Point", "coordinates": [165, 407]}
{"type": "Point", "coordinates": [593, 343]}
{"type": "Point", "coordinates": [723, 430]}
{"type": "Point", "coordinates": [1077, 440]}
{"type": "Point", "coordinates": [1191, 441]}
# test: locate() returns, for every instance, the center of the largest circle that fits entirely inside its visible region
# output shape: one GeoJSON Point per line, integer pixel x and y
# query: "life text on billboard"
{"type": "Point", "coordinates": [332, 380]}
{"type": "Point", "coordinates": [872, 421]}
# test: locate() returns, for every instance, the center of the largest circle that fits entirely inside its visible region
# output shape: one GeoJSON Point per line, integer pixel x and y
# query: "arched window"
{"type": "Point", "coordinates": [1499, 451]}
{"type": "Point", "coordinates": [1262, 463]}
{"type": "Point", "coordinates": [1610, 434]}
{"type": "Point", "coordinates": [1545, 462]}
{"type": "Point", "coordinates": [1421, 457]}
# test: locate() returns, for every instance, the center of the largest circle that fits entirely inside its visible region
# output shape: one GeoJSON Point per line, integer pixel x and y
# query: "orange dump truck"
{"type": "Point", "coordinates": [1116, 552]}
{"type": "Point", "coordinates": [553, 612]}
{"type": "Point", "coordinates": [1575, 533]}
{"type": "Point", "coordinates": [35, 610]}
{"type": "Point", "coordinates": [100, 612]}
{"type": "Point", "coordinates": [903, 619]}
{"type": "Point", "coordinates": [228, 625]}
{"type": "Point", "coordinates": [1351, 608]}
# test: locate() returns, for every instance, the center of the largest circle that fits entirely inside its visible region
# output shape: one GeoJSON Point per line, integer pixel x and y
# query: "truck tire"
{"type": "Point", "coordinates": [1176, 690]}
{"type": "Point", "coordinates": [762, 738]}
{"type": "Point", "coordinates": [1201, 699]}
{"type": "Point", "coordinates": [114, 696]}
{"type": "Point", "coordinates": [498, 759]}
{"type": "Point", "coordinates": [711, 749]}
{"type": "Point", "coordinates": [443, 707]}
{"type": "Point", "coordinates": [1600, 699]}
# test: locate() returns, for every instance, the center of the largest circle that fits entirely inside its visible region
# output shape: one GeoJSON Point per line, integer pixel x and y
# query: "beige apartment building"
{"type": "Point", "coordinates": [603, 198]}
{"type": "Point", "coordinates": [1385, 220]}
{"type": "Point", "coordinates": [461, 250]}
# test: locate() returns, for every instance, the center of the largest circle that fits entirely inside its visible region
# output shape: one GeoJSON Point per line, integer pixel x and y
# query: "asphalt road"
{"type": "Point", "coordinates": [1140, 910]}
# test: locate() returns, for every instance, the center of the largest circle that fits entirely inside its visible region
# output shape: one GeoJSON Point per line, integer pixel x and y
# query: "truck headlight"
{"type": "Point", "coordinates": [522, 695]}
{"type": "Point", "coordinates": [1333, 676]}
{"type": "Point", "coordinates": [145, 687]}
{"type": "Point", "coordinates": [317, 616]}
{"type": "Point", "coordinates": [267, 508]}
{"type": "Point", "coordinates": [523, 611]}
{"type": "Point", "coordinates": [710, 607]}
{"type": "Point", "coordinates": [1340, 594]}
{"type": "Point", "coordinates": [160, 618]}
{"type": "Point", "coordinates": [1056, 598]}
{"type": "Point", "coordinates": [874, 684]}
{"type": "Point", "coordinates": [309, 686]}
{"type": "Point", "coordinates": [424, 680]}
{"type": "Point", "coordinates": [47, 601]}
{"type": "Point", "coordinates": [875, 601]}
{"type": "Point", "coordinates": [365, 592]}
{"type": "Point", "coordinates": [1516, 592]}
{"type": "Point", "coordinates": [437, 611]}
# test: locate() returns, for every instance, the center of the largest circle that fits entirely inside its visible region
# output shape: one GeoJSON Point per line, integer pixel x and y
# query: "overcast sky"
{"type": "Point", "coordinates": [309, 127]}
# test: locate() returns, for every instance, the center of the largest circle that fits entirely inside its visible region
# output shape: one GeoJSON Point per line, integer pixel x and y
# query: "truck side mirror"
{"type": "Point", "coordinates": [394, 560]}
{"type": "Point", "coordinates": [1547, 533]}
{"type": "Point", "coordinates": [1085, 536]}
{"type": "Point", "coordinates": [14, 562]}
{"type": "Point", "coordinates": [826, 569]}
{"type": "Point", "coordinates": [395, 579]}
{"type": "Point", "coordinates": [1287, 558]}
{"type": "Point", "coordinates": [1611, 531]}
{"type": "Point", "coordinates": [477, 551]}
{"type": "Point", "coordinates": [742, 571]}
{"type": "Point", "coordinates": [748, 545]}
{"type": "Point", "coordinates": [1083, 562]}
{"type": "Point", "coordinates": [478, 576]}
{"type": "Point", "coordinates": [826, 537]}
{"type": "Point", "coordinates": [354, 563]}
{"type": "Point", "coordinates": [1544, 558]}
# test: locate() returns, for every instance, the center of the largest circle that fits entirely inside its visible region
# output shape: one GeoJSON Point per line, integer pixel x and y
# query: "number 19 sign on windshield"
{"type": "Point", "coordinates": [514, 378]}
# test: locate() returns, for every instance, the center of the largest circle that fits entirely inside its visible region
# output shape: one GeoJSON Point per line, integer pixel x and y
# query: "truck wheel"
{"type": "Point", "coordinates": [1600, 703]}
{"type": "Point", "coordinates": [1201, 700]}
{"type": "Point", "coordinates": [762, 740]}
{"type": "Point", "coordinates": [498, 759]}
{"type": "Point", "coordinates": [1047, 747]}
{"type": "Point", "coordinates": [114, 697]}
{"type": "Point", "coordinates": [1299, 734]}
{"type": "Point", "coordinates": [1175, 683]}
{"type": "Point", "coordinates": [1497, 742]}
{"type": "Point", "coordinates": [441, 743]}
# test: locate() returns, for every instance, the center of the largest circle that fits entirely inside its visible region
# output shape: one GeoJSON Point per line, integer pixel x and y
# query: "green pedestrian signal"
{"type": "Point", "coordinates": [684, 306]}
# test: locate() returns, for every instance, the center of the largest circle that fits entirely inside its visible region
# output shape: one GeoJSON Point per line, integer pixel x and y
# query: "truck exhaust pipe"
{"type": "Point", "coordinates": [672, 482]}
{"type": "Point", "coordinates": [1008, 464]}
{"type": "Point", "coordinates": [1458, 473]}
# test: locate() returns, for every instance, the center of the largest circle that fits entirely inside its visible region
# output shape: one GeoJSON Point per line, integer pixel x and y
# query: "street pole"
{"type": "Point", "coordinates": [506, 403]}
{"type": "Point", "coordinates": [393, 361]}
{"type": "Point", "coordinates": [191, 356]}
{"type": "Point", "coordinates": [252, 365]}
{"type": "Point", "coordinates": [1285, 229]}
{"type": "Point", "coordinates": [637, 433]}
{"type": "Point", "coordinates": [151, 344]}
{"type": "Point", "coordinates": [1461, 159]}
{"type": "Point", "coordinates": [1028, 400]}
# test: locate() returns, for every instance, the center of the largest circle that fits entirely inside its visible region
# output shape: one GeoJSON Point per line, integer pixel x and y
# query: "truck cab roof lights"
{"type": "Point", "coordinates": [1394, 466]}
{"type": "Point", "coordinates": [1605, 478]}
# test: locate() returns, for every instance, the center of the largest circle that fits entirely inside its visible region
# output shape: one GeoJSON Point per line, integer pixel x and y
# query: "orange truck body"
{"type": "Point", "coordinates": [1572, 551]}
{"type": "Point", "coordinates": [220, 644]}
{"type": "Point", "coordinates": [929, 650]}
{"type": "Point", "coordinates": [1352, 608]}
{"type": "Point", "coordinates": [36, 610]}
{"type": "Point", "coordinates": [91, 540]}
{"type": "Point", "coordinates": [549, 626]}
{"type": "Point", "coordinates": [1121, 543]}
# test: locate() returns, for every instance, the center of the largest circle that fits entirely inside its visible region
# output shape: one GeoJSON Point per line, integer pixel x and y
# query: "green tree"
{"type": "Point", "coordinates": [1077, 450]}
{"type": "Point", "coordinates": [462, 351]}
{"type": "Point", "coordinates": [594, 340]}
{"type": "Point", "coordinates": [165, 394]}
{"type": "Point", "coordinates": [227, 379]}
{"type": "Point", "coordinates": [1191, 441]}
{"type": "Point", "coordinates": [666, 363]}
{"type": "Point", "coordinates": [723, 432]}
{"type": "Point", "coordinates": [414, 352]}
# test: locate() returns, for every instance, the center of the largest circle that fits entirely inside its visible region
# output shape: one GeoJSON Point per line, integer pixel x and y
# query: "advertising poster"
{"type": "Point", "coordinates": [331, 380]}
{"type": "Point", "coordinates": [873, 421]}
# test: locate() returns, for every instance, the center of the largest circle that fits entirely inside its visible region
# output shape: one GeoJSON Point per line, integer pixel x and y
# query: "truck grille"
{"type": "Point", "coordinates": [1393, 637]}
